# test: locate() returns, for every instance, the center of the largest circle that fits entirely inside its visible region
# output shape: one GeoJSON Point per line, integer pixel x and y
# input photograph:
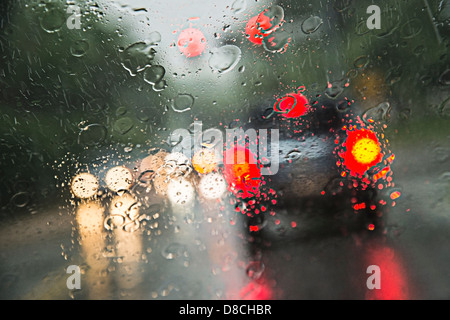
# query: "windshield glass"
{"type": "Point", "coordinates": [230, 149]}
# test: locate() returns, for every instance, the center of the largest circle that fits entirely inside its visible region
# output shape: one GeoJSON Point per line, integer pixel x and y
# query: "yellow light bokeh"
{"type": "Point", "coordinates": [365, 150]}
{"type": "Point", "coordinates": [204, 161]}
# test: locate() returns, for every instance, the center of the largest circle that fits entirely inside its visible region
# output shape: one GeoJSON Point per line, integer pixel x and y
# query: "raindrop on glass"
{"type": "Point", "coordinates": [154, 74]}
{"type": "Point", "coordinates": [123, 125]}
{"type": "Point", "coordinates": [380, 113]}
{"type": "Point", "coordinates": [173, 251]}
{"type": "Point", "coordinates": [183, 102]}
{"type": "Point", "coordinates": [272, 17]}
{"type": "Point", "coordinates": [84, 185]}
{"type": "Point", "coordinates": [311, 24]}
{"type": "Point", "coordinates": [79, 48]}
{"type": "Point", "coordinates": [119, 178]}
{"type": "Point", "coordinates": [361, 62]}
{"type": "Point", "coordinates": [224, 59]}
{"type": "Point", "coordinates": [20, 199]}
{"type": "Point", "coordinates": [137, 57]}
{"type": "Point", "coordinates": [92, 135]}
{"type": "Point", "coordinates": [444, 78]}
{"type": "Point", "coordinates": [293, 155]}
{"type": "Point", "coordinates": [277, 41]}
{"type": "Point", "coordinates": [52, 20]}
{"type": "Point", "coordinates": [239, 6]}
{"type": "Point", "coordinates": [255, 269]}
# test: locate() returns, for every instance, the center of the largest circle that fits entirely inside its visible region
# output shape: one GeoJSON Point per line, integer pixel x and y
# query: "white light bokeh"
{"type": "Point", "coordinates": [212, 186]}
{"type": "Point", "coordinates": [180, 192]}
{"type": "Point", "coordinates": [119, 178]}
{"type": "Point", "coordinates": [84, 185]}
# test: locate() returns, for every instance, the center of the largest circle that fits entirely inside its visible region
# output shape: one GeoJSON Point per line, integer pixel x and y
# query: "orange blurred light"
{"type": "Point", "coordinates": [204, 161]}
{"type": "Point", "coordinates": [395, 195]}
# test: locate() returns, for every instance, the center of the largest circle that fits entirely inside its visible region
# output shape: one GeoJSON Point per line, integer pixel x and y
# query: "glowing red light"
{"type": "Point", "coordinates": [395, 195]}
{"type": "Point", "coordinates": [254, 28]}
{"type": "Point", "coordinates": [255, 291]}
{"type": "Point", "coordinates": [243, 179]}
{"type": "Point", "coordinates": [382, 173]}
{"type": "Point", "coordinates": [394, 284]}
{"type": "Point", "coordinates": [359, 206]}
{"type": "Point", "coordinates": [191, 42]}
{"type": "Point", "coordinates": [363, 151]}
{"type": "Point", "coordinates": [292, 105]}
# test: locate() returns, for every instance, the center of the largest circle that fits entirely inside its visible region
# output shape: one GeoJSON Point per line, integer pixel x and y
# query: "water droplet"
{"type": "Point", "coordinates": [84, 185]}
{"type": "Point", "coordinates": [79, 48]}
{"type": "Point", "coordinates": [113, 222]}
{"type": "Point", "coordinates": [255, 269]}
{"type": "Point", "coordinates": [343, 106]}
{"type": "Point", "coordinates": [123, 125]}
{"type": "Point", "coordinates": [212, 186]}
{"type": "Point", "coordinates": [361, 28]}
{"type": "Point", "coordinates": [143, 114]}
{"type": "Point", "coordinates": [120, 111]}
{"type": "Point", "coordinates": [419, 50]}
{"type": "Point", "coordinates": [183, 102]}
{"type": "Point", "coordinates": [119, 178]}
{"type": "Point", "coordinates": [411, 28]}
{"type": "Point", "coordinates": [277, 41]}
{"type": "Point", "coordinates": [445, 177]}
{"type": "Point", "coordinates": [334, 89]}
{"type": "Point", "coordinates": [20, 199]}
{"type": "Point", "coordinates": [137, 57]}
{"type": "Point", "coordinates": [238, 6]}
{"type": "Point", "coordinates": [445, 107]}
{"type": "Point", "coordinates": [293, 155]}
{"type": "Point", "coordinates": [180, 192]}
{"type": "Point", "coordinates": [91, 135]}
{"type": "Point", "coordinates": [159, 86]}
{"type": "Point", "coordinates": [311, 24]}
{"type": "Point", "coordinates": [173, 251]}
{"type": "Point", "coordinates": [404, 114]}
{"type": "Point", "coordinates": [224, 59]}
{"type": "Point", "coordinates": [444, 78]}
{"type": "Point", "coordinates": [154, 38]}
{"type": "Point", "coordinates": [361, 62]}
{"type": "Point", "coordinates": [335, 186]}
{"type": "Point", "coordinates": [154, 74]}
{"type": "Point", "coordinates": [426, 79]}
{"type": "Point", "coordinates": [380, 113]}
{"type": "Point", "coordinates": [52, 20]}
{"type": "Point", "coordinates": [441, 154]}
{"type": "Point", "coordinates": [393, 75]}
{"type": "Point", "coordinates": [274, 15]}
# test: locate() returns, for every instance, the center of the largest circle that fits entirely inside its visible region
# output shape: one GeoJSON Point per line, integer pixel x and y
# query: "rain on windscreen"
{"type": "Point", "coordinates": [225, 149]}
